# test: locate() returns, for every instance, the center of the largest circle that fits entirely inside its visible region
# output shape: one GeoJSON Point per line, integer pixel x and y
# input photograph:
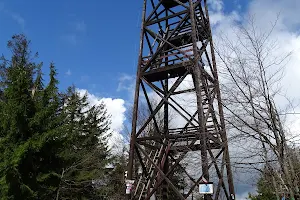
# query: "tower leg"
{"type": "Point", "coordinates": [198, 79]}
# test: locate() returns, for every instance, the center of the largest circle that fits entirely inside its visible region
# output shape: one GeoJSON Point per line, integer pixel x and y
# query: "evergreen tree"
{"type": "Point", "coordinates": [53, 145]}
{"type": "Point", "coordinates": [265, 190]}
{"type": "Point", "coordinates": [86, 154]}
{"type": "Point", "coordinates": [29, 126]}
{"type": "Point", "coordinates": [116, 177]}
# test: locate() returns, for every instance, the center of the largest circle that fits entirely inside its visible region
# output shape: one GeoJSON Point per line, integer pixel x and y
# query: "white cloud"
{"type": "Point", "coordinates": [286, 34]}
{"type": "Point", "coordinates": [216, 5]}
{"type": "Point", "coordinates": [267, 10]}
{"type": "Point", "coordinates": [80, 26]}
{"type": "Point", "coordinates": [15, 16]}
{"type": "Point", "coordinates": [77, 28]}
{"type": "Point", "coordinates": [126, 82]}
{"type": "Point", "coordinates": [69, 73]}
{"type": "Point", "coordinates": [115, 108]}
{"type": "Point", "coordinates": [18, 18]}
{"type": "Point", "coordinates": [70, 38]}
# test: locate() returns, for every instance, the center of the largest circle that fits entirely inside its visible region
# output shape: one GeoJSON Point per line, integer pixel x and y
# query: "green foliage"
{"type": "Point", "coordinates": [115, 188]}
{"type": "Point", "coordinates": [85, 153]}
{"type": "Point", "coordinates": [265, 191]}
{"type": "Point", "coordinates": [52, 144]}
{"type": "Point", "coordinates": [30, 127]}
{"type": "Point", "coordinates": [268, 180]}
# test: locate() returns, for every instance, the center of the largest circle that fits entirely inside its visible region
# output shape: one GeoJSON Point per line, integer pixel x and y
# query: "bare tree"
{"type": "Point", "coordinates": [251, 75]}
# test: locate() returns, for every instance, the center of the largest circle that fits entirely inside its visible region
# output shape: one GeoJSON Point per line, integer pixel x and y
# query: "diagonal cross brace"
{"type": "Point", "coordinates": [161, 103]}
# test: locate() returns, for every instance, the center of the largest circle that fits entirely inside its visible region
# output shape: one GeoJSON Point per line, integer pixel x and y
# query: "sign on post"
{"type": "Point", "coordinates": [129, 186]}
{"type": "Point", "coordinates": [206, 187]}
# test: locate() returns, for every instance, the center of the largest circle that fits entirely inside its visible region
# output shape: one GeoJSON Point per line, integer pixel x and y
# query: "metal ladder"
{"type": "Point", "coordinates": [143, 187]}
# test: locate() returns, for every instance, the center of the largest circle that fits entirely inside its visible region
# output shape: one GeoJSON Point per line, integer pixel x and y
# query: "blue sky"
{"type": "Point", "coordinates": [95, 41]}
{"type": "Point", "coordinates": [92, 44]}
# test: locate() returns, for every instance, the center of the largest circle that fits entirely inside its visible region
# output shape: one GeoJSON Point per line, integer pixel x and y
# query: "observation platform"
{"type": "Point", "coordinates": [163, 73]}
{"type": "Point", "coordinates": [184, 37]}
{"type": "Point", "coordinates": [171, 3]}
{"type": "Point", "coordinates": [182, 138]}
